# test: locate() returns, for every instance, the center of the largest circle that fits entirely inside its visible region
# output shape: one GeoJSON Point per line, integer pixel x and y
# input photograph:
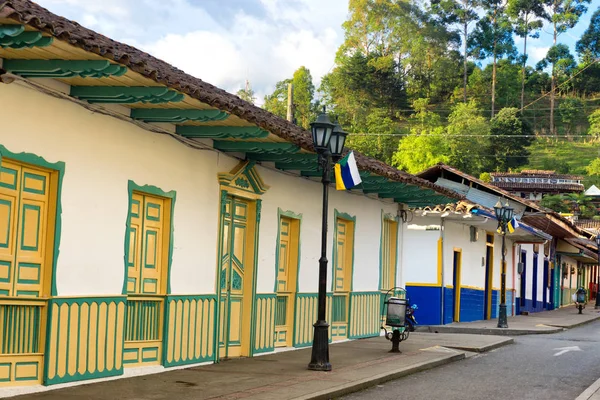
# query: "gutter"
{"type": "Point", "coordinates": [522, 225]}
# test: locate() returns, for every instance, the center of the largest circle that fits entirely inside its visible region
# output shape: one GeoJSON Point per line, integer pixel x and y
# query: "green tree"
{"type": "Point", "coordinates": [594, 120]}
{"type": "Point", "coordinates": [305, 109]}
{"type": "Point", "coordinates": [528, 15]}
{"type": "Point", "coordinates": [563, 65]}
{"type": "Point", "coordinates": [580, 204]}
{"type": "Point", "coordinates": [246, 93]}
{"type": "Point", "coordinates": [468, 135]}
{"type": "Point", "coordinates": [589, 43]}
{"type": "Point", "coordinates": [509, 138]}
{"type": "Point", "coordinates": [564, 15]}
{"type": "Point", "coordinates": [304, 92]}
{"type": "Point", "coordinates": [493, 38]}
{"type": "Point", "coordinates": [570, 111]}
{"type": "Point", "coordinates": [555, 202]}
{"type": "Point", "coordinates": [593, 169]}
{"type": "Point", "coordinates": [426, 145]}
{"type": "Point", "coordinates": [380, 142]}
{"type": "Point", "coordinates": [276, 102]}
{"type": "Point", "coordinates": [461, 13]}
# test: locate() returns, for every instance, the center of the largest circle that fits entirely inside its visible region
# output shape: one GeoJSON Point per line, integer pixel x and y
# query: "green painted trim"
{"type": "Point", "coordinates": [255, 277]}
{"type": "Point", "coordinates": [152, 190]}
{"type": "Point", "coordinates": [306, 158]}
{"type": "Point", "coordinates": [338, 214]}
{"type": "Point", "coordinates": [126, 94]}
{"type": "Point", "coordinates": [77, 376]}
{"type": "Point", "coordinates": [59, 166]}
{"type": "Point", "coordinates": [15, 37]}
{"type": "Point", "coordinates": [297, 166]}
{"type": "Point", "coordinates": [174, 115]}
{"type": "Point", "coordinates": [255, 147]}
{"type": "Point", "coordinates": [222, 132]}
{"type": "Point", "coordinates": [198, 328]}
{"type": "Point", "coordinates": [63, 68]}
{"type": "Point", "coordinates": [292, 215]}
{"type": "Point", "coordinates": [271, 298]}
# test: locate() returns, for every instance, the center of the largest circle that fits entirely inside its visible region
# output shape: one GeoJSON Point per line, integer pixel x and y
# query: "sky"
{"type": "Point", "coordinates": [226, 42]}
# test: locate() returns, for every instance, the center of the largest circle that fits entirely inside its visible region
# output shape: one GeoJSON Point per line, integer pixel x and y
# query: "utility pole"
{"type": "Point", "coordinates": [290, 104]}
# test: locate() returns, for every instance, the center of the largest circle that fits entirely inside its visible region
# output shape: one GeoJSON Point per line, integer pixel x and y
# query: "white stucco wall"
{"type": "Point", "coordinates": [305, 197]}
{"type": "Point", "coordinates": [528, 248]}
{"type": "Point", "coordinates": [102, 153]}
{"type": "Point", "coordinates": [419, 252]}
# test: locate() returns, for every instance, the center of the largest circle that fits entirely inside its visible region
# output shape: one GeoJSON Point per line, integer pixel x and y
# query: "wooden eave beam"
{"type": "Point", "coordinates": [126, 94]}
{"type": "Point", "coordinates": [63, 68]}
{"type": "Point", "coordinates": [174, 115]}
{"type": "Point", "coordinates": [15, 37]}
{"type": "Point", "coordinates": [255, 147]}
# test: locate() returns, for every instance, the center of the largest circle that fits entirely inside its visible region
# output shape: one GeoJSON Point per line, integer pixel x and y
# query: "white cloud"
{"type": "Point", "coordinates": [536, 53]}
{"type": "Point", "coordinates": [263, 41]}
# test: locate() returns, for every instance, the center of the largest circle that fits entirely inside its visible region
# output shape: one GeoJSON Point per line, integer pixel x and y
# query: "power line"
{"type": "Point", "coordinates": [450, 136]}
{"type": "Point", "coordinates": [562, 84]}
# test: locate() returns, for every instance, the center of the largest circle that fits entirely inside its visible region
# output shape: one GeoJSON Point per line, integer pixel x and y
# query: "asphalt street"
{"type": "Point", "coordinates": [554, 366]}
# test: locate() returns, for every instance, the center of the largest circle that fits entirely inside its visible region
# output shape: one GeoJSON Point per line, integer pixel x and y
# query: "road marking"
{"type": "Point", "coordinates": [564, 350]}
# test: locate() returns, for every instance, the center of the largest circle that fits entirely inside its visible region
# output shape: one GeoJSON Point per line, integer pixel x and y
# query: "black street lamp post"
{"type": "Point", "coordinates": [598, 272]}
{"type": "Point", "coordinates": [328, 140]}
{"type": "Point", "coordinates": [503, 214]}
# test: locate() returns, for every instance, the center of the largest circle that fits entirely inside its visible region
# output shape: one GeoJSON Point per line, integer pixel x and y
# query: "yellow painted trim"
{"type": "Point", "coordinates": [471, 287]}
{"type": "Point", "coordinates": [440, 253]}
{"type": "Point", "coordinates": [422, 284]}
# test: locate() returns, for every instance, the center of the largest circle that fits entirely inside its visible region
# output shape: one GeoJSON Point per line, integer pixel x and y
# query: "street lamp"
{"type": "Point", "coordinates": [503, 214]}
{"type": "Point", "coordinates": [598, 271]}
{"type": "Point", "coordinates": [328, 140]}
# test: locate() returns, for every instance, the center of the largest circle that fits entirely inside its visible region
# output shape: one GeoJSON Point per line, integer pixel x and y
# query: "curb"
{"type": "Point", "coordinates": [484, 349]}
{"type": "Point", "coordinates": [590, 391]}
{"type": "Point", "coordinates": [597, 317]}
{"type": "Point", "coordinates": [491, 331]}
{"type": "Point", "coordinates": [362, 384]}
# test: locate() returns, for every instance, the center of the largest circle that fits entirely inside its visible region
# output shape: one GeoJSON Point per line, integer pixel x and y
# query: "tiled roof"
{"type": "Point", "coordinates": [541, 186]}
{"type": "Point", "coordinates": [27, 12]}
{"type": "Point", "coordinates": [536, 172]}
{"type": "Point", "coordinates": [542, 217]}
{"type": "Point", "coordinates": [462, 206]}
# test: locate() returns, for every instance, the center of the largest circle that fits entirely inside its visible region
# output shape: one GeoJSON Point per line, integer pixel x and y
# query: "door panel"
{"type": "Point", "coordinates": [10, 186]}
{"type": "Point", "coordinates": [232, 276]}
{"type": "Point", "coordinates": [24, 207]}
{"type": "Point", "coordinates": [342, 278]}
{"type": "Point", "coordinates": [287, 272]}
{"type": "Point", "coordinates": [145, 279]}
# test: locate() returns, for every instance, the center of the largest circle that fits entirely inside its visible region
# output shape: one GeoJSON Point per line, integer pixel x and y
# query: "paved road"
{"type": "Point", "coordinates": [527, 369]}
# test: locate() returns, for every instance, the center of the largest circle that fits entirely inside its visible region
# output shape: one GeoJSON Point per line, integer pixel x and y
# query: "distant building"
{"type": "Point", "coordinates": [533, 184]}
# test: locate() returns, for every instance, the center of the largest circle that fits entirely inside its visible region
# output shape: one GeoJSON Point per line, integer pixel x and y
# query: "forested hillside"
{"type": "Point", "coordinates": [416, 83]}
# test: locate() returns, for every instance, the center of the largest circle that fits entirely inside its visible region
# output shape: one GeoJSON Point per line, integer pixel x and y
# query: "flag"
{"type": "Point", "coordinates": [346, 173]}
{"type": "Point", "coordinates": [512, 225]}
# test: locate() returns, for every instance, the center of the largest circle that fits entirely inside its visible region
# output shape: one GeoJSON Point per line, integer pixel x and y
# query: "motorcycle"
{"type": "Point", "coordinates": [410, 320]}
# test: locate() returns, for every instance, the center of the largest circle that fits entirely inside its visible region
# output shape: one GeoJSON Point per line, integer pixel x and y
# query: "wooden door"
{"type": "Point", "coordinates": [456, 284]}
{"type": "Point", "coordinates": [232, 277]}
{"type": "Point", "coordinates": [287, 273]}
{"type": "Point", "coordinates": [27, 198]}
{"type": "Point", "coordinates": [489, 276]}
{"type": "Point", "coordinates": [342, 278]}
{"type": "Point", "coordinates": [146, 279]}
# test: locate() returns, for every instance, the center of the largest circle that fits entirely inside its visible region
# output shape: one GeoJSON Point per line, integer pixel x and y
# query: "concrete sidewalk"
{"type": "Point", "coordinates": [591, 393]}
{"type": "Point", "coordinates": [534, 323]}
{"type": "Point", "coordinates": [356, 365]}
